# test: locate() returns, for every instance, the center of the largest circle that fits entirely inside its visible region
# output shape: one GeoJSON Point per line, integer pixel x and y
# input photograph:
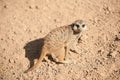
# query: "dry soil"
{"type": "Point", "coordinates": [24, 23]}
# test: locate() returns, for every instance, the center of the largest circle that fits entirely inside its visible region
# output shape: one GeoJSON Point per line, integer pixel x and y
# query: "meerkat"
{"type": "Point", "coordinates": [59, 41]}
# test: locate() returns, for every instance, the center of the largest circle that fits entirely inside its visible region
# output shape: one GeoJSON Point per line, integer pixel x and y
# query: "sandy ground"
{"type": "Point", "coordinates": [24, 23]}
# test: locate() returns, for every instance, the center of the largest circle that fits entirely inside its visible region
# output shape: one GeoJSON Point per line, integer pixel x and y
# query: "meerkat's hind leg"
{"type": "Point", "coordinates": [61, 56]}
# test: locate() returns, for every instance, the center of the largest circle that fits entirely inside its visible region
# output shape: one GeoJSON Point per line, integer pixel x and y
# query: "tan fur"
{"type": "Point", "coordinates": [59, 41]}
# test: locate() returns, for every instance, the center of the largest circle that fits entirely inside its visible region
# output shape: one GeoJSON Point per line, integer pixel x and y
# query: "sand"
{"type": "Point", "coordinates": [24, 23]}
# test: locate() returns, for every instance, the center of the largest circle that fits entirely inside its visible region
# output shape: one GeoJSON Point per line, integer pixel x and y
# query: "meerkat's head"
{"type": "Point", "coordinates": [78, 26]}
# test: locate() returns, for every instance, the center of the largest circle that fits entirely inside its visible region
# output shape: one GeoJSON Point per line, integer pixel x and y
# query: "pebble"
{"type": "Point", "coordinates": [11, 61]}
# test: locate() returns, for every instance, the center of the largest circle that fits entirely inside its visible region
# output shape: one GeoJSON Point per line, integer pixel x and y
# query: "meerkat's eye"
{"type": "Point", "coordinates": [77, 25]}
{"type": "Point", "coordinates": [83, 26]}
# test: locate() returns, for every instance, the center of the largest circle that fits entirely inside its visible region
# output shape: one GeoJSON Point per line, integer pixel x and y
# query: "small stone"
{"type": "Point", "coordinates": [11, 61]}
{"type": "Point", "coordinates": [114, 53]}
{"type": "Point", "coordinates": [4, 49]}
{"type": "Point", "coordinates": [5, 6]}
{"type": "Point", "coordinates": [1, 39]}
{"type": "Point", "coordinates": [30, 7]}
{"type": "Point", "coordinates": [36, 7]}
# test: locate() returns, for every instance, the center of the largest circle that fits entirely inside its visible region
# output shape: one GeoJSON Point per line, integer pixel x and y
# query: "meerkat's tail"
{"type": "Point", "coordinates": [43, 54]}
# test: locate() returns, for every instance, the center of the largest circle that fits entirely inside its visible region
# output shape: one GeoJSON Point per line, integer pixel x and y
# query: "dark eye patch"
{"type": "Point", "coordinates": [83, 25]}
{"type": "Point", "coordinates": [77, 25]}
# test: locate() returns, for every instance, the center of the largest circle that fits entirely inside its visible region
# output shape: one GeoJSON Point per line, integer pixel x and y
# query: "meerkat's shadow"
{"type": "Point", "coordinates": [33, 50]}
